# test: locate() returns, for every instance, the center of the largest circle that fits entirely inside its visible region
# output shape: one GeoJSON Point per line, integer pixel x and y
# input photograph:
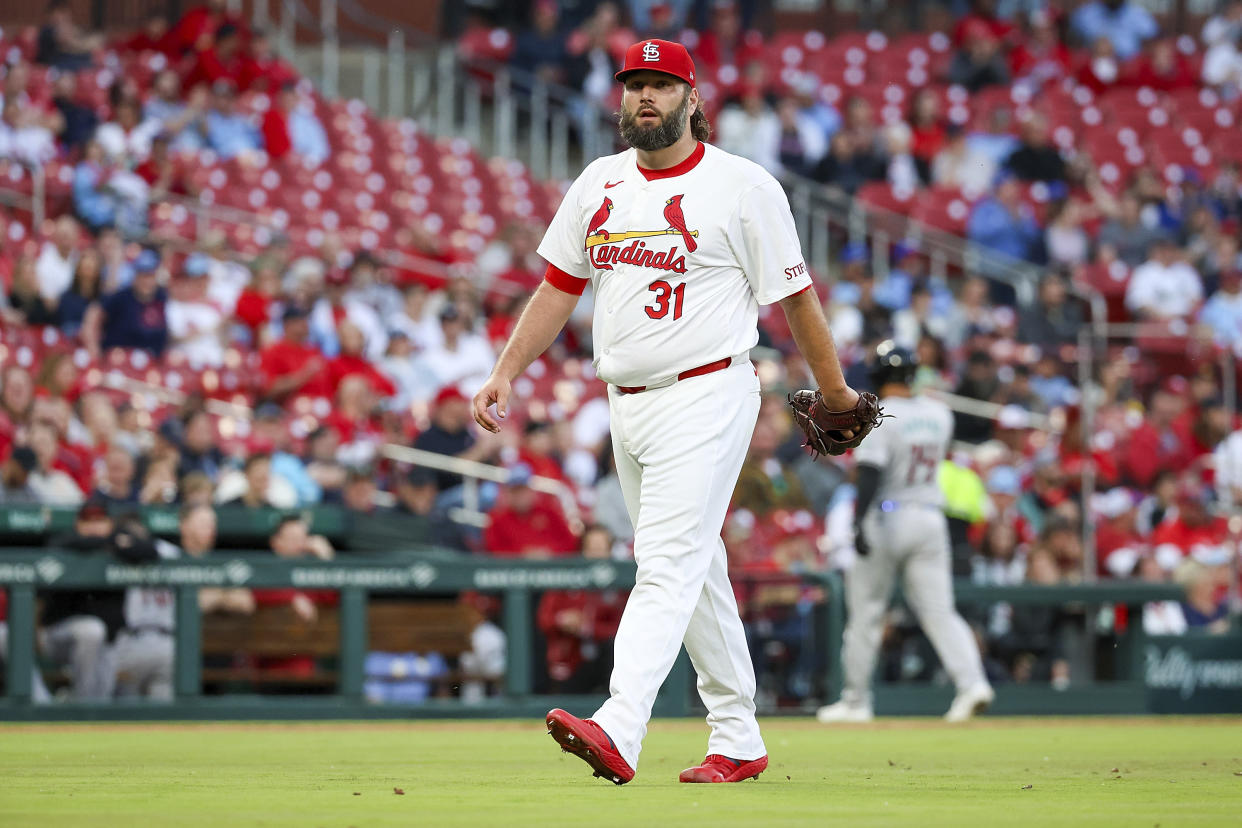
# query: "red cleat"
{"type": "Point", "coordinates": [717, 768]}
{"type": "Point", "coordinates": [588, 741]}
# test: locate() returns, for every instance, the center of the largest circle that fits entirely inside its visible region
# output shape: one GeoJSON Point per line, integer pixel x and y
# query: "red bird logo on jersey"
{"type": "Point", "coordinates": [609, 248]}
{"type": "Point", "coordinates": [597, 221]}
{"type": "Point", "coordinates": [677, 221]}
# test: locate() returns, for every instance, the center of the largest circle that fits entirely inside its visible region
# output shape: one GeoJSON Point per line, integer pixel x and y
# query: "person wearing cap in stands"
{"type": "Point", "coordinates": [1165, 286]}
{"type": "Point", "coordinates": [291, 365]}
{"type": "Point", "coordinates": [451, 435]}
{"type": "Point", "coordinates": [416, 495]}
{"type": "Point", "coordinates": [527, 524]}
{"type": "Point", "coordinates": [225, 60]}
{"type": "Point", "coordinates": [134, 316]}
{"type": "Point", "coordinates": [682, 243]}
{"type": "Point", "coordinates": [462, 358]}
{"type": "Point", "coordinates": [15, 477]}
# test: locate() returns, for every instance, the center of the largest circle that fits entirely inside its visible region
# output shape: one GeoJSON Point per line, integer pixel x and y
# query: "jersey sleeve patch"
{"type": "Point", "coordinates": [563, 281]}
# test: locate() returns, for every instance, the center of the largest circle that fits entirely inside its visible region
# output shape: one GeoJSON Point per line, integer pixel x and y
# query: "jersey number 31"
{"type": "Point", "coordinates": [663, 290]}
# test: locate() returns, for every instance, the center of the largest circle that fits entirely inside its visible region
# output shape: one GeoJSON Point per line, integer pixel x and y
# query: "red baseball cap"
{"type": "Point", "coordinates": [658, 56]}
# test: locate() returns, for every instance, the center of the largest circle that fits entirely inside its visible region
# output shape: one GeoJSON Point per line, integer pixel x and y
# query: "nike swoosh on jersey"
{"type": "Point", "coordinates": [608, 186]}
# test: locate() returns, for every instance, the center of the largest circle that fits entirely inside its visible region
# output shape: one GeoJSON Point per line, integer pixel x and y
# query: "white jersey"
{"type": "Point", "coordinates": [147, 608]}
{"type": "Point", "coordinates": [908, 449]}
{"type": "Point", "coordinates": [680, 259]}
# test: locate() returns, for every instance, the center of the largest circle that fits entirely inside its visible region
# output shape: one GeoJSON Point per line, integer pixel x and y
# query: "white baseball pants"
{"type": "Point", "coordinates": [912, 541]}
{"type": "Point", "coordinates": [678, 452]}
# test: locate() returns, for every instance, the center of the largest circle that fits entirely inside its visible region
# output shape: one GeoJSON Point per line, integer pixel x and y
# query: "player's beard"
{"type": "Point", "coordinates": [651, 138]}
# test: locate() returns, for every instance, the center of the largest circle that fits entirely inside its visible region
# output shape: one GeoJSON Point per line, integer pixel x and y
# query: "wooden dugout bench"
{"type": "Point", "coordinates": [275, 632]}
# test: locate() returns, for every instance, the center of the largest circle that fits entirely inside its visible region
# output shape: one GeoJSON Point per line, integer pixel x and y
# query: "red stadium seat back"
{"type": "Point", "coordinates": [943, 209]}
{"type": "Point", "coordinates": [880, 194]}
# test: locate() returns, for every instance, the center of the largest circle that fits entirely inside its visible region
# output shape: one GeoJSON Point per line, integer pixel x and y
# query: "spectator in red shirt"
{"type": "Point", "coordinates": [1191, 527]}
{"type": "Point", "coordinates": [276, 139]}
{"type": "Point", "coordinates": [223, 61]}
{"type": "Point", "coordinates": [292, 365]}
{"type": "Point", "coordinates": [254, 305]}
{"type": "Point", "coordinates": [525, 524]}
{"type": "Point", "coordinates": [1117, 540]}
{"type": "Point", "coordinates": [1155, 444]}
{"type": "Point", "coordinates": [262, 71]}
{"type": "Point", "coordinates": [352, 362]}
{"type": "Point", "coordinates": [1162, 68]}
{"type": "Point", "coordinates": [927, 130]}
{"type": "Point", "coordinates": [983, 16]}
{"type": "Point", "coordinates": [195, 30]}
{"type": "Point", "coordinates": [1042, 58]}
{"type": "Point", "coordinates": [154, 36]}
{"type": "Point", "coordinates": [160, 171]}
{"type": "Point", "coordinates": [726, 43]}
{"type": "Point", "coordinates": [539, 450]}
{"type": "Point", "coordinates": [1102, 70]}
{"type": "Point", "coordinates": [291, 539]}
{"type": "Point", "coordinates": [579, 624]}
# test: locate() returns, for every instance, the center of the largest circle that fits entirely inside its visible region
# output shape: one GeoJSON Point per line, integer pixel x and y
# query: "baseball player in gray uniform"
{"type": "Point", "coordinates": [901, 530]}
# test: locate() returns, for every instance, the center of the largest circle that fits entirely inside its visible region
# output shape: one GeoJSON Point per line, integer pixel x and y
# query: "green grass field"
{"type": "Point", "coordinates": [1013, 772]}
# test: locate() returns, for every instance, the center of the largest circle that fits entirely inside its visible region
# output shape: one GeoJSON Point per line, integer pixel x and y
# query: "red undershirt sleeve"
{"type": "Point", "coordinates": [563, 281]}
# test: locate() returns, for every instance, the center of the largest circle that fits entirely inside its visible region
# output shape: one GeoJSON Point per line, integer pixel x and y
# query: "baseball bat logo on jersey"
{"type": "Point", "coordinates": [605, 248]}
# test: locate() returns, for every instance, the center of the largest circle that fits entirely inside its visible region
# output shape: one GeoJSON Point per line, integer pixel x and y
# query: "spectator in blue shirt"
{"type": "Point", "coordinates": [133, 317]}
{"type": "Point", "coordinates": [1052, 388]}
{"type": "Point", "coordinates": [540, 49]}
{"type": "Point", "coordinates": [1223, 312]}
{"type": "Point", "coordinates": [1125, 23]}
{"type": "Point", "coordinates": [1001, 222]}
{"type": "Point", "coordinates": [92, 201]}
{"type": "Point", "coordinates": [230, 133]}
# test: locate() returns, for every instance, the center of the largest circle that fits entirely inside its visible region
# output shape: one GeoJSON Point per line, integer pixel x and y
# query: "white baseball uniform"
{"type": "Point", "coordinates": [143, 652]}
{"type": "Point", "coordinates": [907, 534]}
{"type": "Point", "coordinates": [679, 260]}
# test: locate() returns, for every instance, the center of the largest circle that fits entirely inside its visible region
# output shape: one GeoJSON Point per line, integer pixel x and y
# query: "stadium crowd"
{"type": "Point", "coordinates": [141, 367]}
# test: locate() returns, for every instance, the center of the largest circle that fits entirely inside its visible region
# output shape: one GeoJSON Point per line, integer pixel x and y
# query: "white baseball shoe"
{"type": "Point", "coordinates": [844, 712]}
{"type": "Point", "coordinates": [970, 702]}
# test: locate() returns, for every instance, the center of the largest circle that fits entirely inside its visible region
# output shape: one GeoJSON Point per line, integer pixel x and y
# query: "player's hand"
{"type": "Point", "coordinates": [860, 542]}
{"type": "Point", "coordinates": [840, 399]}
{"type": "Point", "coordinates": [495, 391]}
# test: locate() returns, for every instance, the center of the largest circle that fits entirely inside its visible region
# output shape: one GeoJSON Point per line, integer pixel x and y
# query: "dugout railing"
{"type": "Point", "coordinates": [1153, 674]}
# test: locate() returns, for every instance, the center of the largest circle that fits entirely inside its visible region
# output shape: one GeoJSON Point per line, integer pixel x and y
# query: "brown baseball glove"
{"type": "Point", "coordinates": [834, 432]}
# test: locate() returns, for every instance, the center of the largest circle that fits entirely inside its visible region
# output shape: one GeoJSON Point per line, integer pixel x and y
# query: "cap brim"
{"type": "Point", "coordinates": [624, 73]}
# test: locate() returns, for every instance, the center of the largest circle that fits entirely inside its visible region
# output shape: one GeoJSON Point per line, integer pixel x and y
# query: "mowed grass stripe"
{"type": "Point", "coordinates": [1171, 772]}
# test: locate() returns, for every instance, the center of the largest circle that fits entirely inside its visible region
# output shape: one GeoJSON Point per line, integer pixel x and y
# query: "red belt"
{"type": "Point", "coordinates": [709, 368]}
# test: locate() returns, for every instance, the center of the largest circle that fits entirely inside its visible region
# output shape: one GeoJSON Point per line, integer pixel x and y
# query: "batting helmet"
{"type": "Point", "coordinates": [892, 364]}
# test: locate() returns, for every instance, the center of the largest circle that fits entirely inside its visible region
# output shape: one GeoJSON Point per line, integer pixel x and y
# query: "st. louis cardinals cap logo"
{"type": "Point", "coordinates": [605, 249]}
{"type": "Point", "coordinates": [651, 52]}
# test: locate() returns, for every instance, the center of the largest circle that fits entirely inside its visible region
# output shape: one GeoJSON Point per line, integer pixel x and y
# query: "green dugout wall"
{"type": "Point", "coordinates": [1184, 674]}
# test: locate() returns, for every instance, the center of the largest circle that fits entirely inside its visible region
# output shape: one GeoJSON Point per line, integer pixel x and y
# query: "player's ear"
{"type": "Point", "coordinates": [694, 100]}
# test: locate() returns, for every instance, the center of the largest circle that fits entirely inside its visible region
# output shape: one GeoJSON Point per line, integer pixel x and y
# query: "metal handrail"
{"type": "Point", "coordinates": [474, 471]}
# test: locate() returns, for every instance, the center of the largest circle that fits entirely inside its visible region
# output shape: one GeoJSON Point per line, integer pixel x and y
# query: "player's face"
{"type": "Point", "coordinates": [655, 110]}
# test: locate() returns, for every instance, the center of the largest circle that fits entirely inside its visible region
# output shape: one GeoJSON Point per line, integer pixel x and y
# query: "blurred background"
{"type": "Point", "coordinates": [256, 256]}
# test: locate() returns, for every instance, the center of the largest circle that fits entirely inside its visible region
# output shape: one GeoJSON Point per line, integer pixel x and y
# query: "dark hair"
{"type": "Point", "coordinates": [285, 520]}
{"type": "Point", "coordinates": [700, 127]}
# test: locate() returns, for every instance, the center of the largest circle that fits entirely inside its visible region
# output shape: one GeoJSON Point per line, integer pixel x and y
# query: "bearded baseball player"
{"type": "Point", "coordinates": [682, 242]}
{"type": "Point", "coordinates": [901, 530]}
